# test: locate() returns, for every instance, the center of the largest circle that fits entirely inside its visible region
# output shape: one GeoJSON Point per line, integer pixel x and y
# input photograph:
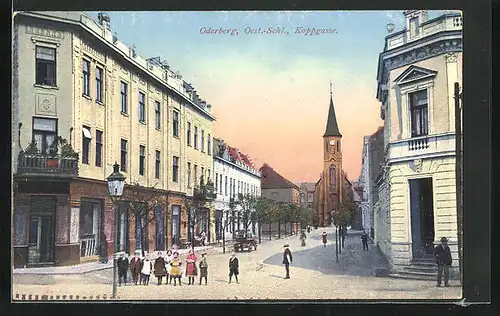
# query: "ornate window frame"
{"type": "Point", "coordinates": [409, 84]}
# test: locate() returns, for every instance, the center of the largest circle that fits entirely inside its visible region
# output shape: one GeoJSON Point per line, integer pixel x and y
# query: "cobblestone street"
{"type": "Point", "coordinates": [314, 275]}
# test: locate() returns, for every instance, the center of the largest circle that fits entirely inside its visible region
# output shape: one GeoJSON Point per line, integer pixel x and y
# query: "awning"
{"type": "Point", "coordinates": [86, 133]}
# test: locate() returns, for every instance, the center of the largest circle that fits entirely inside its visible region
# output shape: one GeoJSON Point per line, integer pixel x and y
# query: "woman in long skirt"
{"type": "Point", "coordinates": [160, 268]}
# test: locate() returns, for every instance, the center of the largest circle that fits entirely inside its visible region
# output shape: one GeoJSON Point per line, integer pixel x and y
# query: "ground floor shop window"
{"type": "Point", "coordinates": [160, 228]}
{"type": "Point", "coordinates": [176, 224]}
{"type": "Point", "coordinates": [141, 233]}
{"type": "Point", "coordinates": [123, 231]}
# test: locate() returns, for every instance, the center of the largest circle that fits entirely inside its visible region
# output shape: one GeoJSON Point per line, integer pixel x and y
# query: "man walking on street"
{"type": "Point", "coordinates": [364, 240]}
{"type": "Point", "coordinates": [443, 261]}
{"type": "Point", "coordinates": [287, 260]}
{"type": "Point", "coordinates": [324, 238]}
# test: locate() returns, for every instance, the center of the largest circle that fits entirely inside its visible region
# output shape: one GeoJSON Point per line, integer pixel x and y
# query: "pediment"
{"type": "Point", "coordinates": [414, 73]}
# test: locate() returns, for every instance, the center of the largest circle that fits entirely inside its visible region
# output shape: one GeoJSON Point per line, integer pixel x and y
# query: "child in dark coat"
{"type": "Point", "coordinates": [123, 264]}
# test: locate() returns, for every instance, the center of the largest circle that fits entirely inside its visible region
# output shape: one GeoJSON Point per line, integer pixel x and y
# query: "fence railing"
{"type": "Point", "coordinates": [43, 164]}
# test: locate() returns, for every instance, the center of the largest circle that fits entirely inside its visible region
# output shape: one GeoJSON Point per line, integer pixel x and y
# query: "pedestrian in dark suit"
{"type": "Point", "coordinates": [135, 267]}
{"type": "Point", "coordinates": [364, 240]}
{"type": "Point", "coordinates": [443, 261]}
{"type": "Point", "coordinates": [123, 264]}
{"type": "Point", "coordinates": [234, 266]}
{"type": "Point", "coordinates": [287, 260]}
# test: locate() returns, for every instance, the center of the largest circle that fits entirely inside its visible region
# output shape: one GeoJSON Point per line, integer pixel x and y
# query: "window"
{"type": "Point", "coordinates": [157, 164]}
{"type": "Point", "coordinates": [239, 186]}
{"type": "Point", "coordinates": [189, 174]}
{"type": "Point", "coordinates": [418, 112]}
{"type": "Point", "coordinates": [209, 145]}
{"type": "Point", "coordinates": [195, 174]}
{"type": "Point", "coordinates": [202, 178]}
{"type": "Point", "coordinates": [195, 137]}
{"type": "Point", "coordinates": [160, 228]}
{"type": "Point", "coordinates": [231, 187]}
{"type": "Point", "coordinates": [175, 169]}
{"type": "Point", "coordinates": [176, 224]}
{"type": "Point", "coordinates": [142, 108]}
{"type": "Point", "coordinates": [142, 158]}
{"type": "Point", "coordinates": [123, 155]}
{"type": "Point", "coordinates": [189, 133]}
{"type": "Point", "coordinates": [202, 141]}
{"type": "Point", "coordinates": [98, 84]}
{"type": "Point", "coordinates": [216, 182]}
{"type": "Point", "coordinates": [45, 66]}
{"type": "Point", "coordinates": [414, 27]}
{"type": "Point", "coordinates": [220, 184]}
{"type": "Point", "coordinates": [86, 137]}
{"type": "Point", "coordinates": [225, 187]}
{"type": "Point", "coordinates": [44, 133]}
{"type": "Point", "coordinates": [175, 127]}
{"type": "Point", "coordinates": [86, 77]}
{"type": "Point", "coordinates": [157, 114]}
{"type": "Point", "coordinates": [208, 174]}
{"type": "Point", "coordinates": [98, 148]}
{"type": "Point", "coordinates": [124, 101]}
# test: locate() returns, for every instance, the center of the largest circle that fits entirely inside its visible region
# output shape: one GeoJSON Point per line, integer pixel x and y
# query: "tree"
{"type": "Point", "coordinates": [343, 216]}
{"type": "Point", "coordinates": [202, 195]}
{"type": "Point", "coordinates": [143, 205]}
{"type": "Point", "coordinates": [262, 213]}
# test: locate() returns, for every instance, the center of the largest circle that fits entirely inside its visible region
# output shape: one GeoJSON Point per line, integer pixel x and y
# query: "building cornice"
{"type": "Point", "coordinates": [425, 48]}
{"type": "Point", "coordinates": [236, 166]}
{"type": "Point", "coordinates": [116, 50]}
{"type": "Point", "coordinates": [443, 154]}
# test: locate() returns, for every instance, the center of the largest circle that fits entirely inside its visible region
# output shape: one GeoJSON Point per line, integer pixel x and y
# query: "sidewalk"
{"type": "Point", "coordinates": [86, 267]}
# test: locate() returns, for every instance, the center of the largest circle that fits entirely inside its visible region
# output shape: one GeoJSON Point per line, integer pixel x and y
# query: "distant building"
{"type": "Point", "coordinates": [417, 72]}
{"type": "Point", "coordinates": [372, 155]}
{"type": "Point", "coordinates": [234, 174]}
{"type": "Point", "coordinates": [307, 195]}
{"type": "Point", "coordinates": [279, 189]}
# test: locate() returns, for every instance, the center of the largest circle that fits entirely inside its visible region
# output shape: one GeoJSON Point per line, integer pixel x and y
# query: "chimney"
{"type": "Point", "coordinates": [209, 108]}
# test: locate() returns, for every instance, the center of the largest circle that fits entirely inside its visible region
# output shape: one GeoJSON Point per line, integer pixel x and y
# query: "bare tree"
{"type": "Point", "coordinates": [143, 205]}
{"type": "Point", "coordinates": [202, 195]}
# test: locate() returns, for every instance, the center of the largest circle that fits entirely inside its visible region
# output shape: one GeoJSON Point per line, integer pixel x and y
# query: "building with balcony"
{"type": "Point", "coordinates": [417, 72]}
{"type": "Point", "coordinates": [281, 190]}
{"type": "Point", "coordinates": [75, 82]}
{"type": "Point", "coordinates": [235, 177]}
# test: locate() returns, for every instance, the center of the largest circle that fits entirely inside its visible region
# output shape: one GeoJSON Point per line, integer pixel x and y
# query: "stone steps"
{"type": "Point", "coordinates": [401, 275]}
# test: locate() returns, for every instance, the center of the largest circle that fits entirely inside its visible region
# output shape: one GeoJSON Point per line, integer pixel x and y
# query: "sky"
{"type": "Point", "coordinates": [270, 93]}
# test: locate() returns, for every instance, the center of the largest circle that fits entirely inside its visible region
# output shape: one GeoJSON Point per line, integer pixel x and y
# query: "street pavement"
{"type": "Point", "coordinates": [315, 274]}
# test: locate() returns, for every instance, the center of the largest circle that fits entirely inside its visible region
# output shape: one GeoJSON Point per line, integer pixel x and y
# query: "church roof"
{"type": "Point", "coordinates": [270, 179]}
{"type": "Point", "coordinates": [332, 128]}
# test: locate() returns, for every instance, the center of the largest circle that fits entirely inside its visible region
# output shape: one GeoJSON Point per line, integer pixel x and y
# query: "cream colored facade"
{"type": "Point", "coordinates": [77, 38]}
{"type": "Point", "coordinates": [429, 60]}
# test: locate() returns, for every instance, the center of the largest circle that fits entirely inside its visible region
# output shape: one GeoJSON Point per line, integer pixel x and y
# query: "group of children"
{"type": "Point", "coordinates": [168, 266]}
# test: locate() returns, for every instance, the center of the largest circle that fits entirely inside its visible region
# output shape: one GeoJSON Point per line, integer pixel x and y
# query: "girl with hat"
{"type": "Point", "coordinates": [160, 268]}
{"type": "Point", "coordinates": [191, 272]}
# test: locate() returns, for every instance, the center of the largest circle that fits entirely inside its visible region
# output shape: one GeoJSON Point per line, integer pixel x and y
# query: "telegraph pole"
{"type": "Point", "coordinates": [458, 167]}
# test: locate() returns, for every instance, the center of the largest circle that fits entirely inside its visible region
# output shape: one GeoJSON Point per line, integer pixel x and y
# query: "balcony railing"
{"type": "Point", "coordinates": [44, 165]}
{"type": "Point", "coordinates": [418, 143]}
{"type": "Point", "coordinates": [204, 192]}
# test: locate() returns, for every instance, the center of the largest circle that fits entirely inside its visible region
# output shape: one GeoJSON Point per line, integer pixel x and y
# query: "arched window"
{"type": "Point", "coordinates": [332, 178]}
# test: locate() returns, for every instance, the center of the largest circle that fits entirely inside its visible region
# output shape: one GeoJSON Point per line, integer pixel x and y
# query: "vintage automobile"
{"type": "Point", "coordinates": [244, 241]}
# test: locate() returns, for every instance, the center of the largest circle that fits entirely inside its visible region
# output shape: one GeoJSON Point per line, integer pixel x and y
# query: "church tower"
{"type": "Point", "coordinates": [332, 163]}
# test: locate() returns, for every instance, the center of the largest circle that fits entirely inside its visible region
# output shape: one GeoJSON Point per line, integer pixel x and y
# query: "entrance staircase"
{"type": "Point", "coordinates": [419, 269]}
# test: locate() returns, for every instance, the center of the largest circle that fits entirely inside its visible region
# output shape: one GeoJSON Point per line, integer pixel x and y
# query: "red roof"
{"type": "Point", "coordinates": [272, 180]}
{"type": "Point", "coordinates": [233, 153]}
{"type": "Point", "coordinates": [246, 161]}
{"type": "Point", "coordinates": [238, 156]}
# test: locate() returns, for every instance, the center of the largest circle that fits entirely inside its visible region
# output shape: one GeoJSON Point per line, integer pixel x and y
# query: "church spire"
{"type": "Point", "coordinates": [332, 128]}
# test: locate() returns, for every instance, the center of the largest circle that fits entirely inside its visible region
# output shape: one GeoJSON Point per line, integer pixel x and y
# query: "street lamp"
{"type": "Point", "coordinates": [116, 182]}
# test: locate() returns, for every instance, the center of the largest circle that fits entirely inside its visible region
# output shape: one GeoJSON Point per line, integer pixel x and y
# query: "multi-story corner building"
{"type": "Point", "coordinates": [278, 189]}
{"type": "Point", "coordinates": [72, 78]}
{"type": "Point", "coordinates": [417, 72]}
{"type": "Point", "coordinates": [234, 174]}
{"type": "Point", "coordinates": [371, 158]}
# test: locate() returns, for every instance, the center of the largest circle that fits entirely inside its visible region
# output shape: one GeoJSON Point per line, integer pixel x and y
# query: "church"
{"type": "Point", "coordinates": [333, 186]}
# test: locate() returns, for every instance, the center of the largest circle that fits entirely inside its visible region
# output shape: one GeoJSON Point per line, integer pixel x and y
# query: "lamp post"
{"type": "Point", "coordinates": [116, 183]}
